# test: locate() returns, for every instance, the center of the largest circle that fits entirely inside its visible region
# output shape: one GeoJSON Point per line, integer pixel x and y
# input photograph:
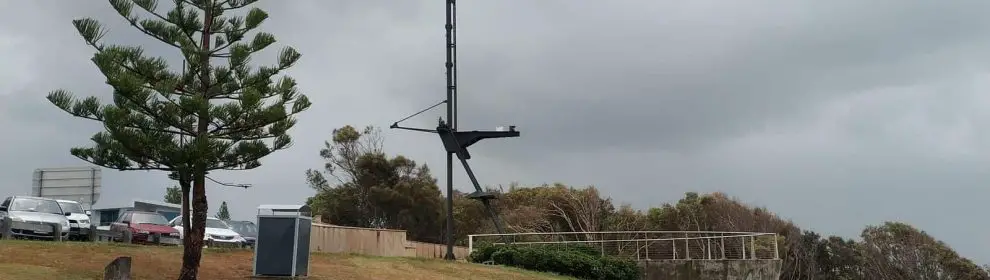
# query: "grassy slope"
{"type": "Point", "coordinates": [35, 260]}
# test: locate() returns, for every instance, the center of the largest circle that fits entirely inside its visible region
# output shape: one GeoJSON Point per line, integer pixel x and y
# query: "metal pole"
{"type": "Point", "coordinates": [776, 250]}
{"type": "Point", "coordinates": [752, 246]}
{"type": "Point", "coordinates": [450, 120]}
{"type": "Point", "coordinates": [92, 189]}
{"type": "Point", "coordinates": [470, 244]}
{"type": "Point", "coordinates": [743, 243]}
{"type": "Point", "coordinates": [41, 182]}
{"type": "Point", "coordinates": [674, 243]}
{"type": "Point", "coordinates": [723, 247]}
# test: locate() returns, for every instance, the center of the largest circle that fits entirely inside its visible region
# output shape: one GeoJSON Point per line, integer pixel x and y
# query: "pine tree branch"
{"type": "Point", "coordinates": [178, 8]}
{"type": "Point", "coordinates": [234, 6]}
{"type": "Point", "coordinates": [130, 155]}
{"type": "Point", "coordinates": [154, 83]}
{"type": "Point", "coordinates": [103, 120]}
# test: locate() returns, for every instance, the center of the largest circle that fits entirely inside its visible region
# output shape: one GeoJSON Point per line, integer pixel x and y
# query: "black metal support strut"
{"type": "Point", "coordinates": [456, 142]}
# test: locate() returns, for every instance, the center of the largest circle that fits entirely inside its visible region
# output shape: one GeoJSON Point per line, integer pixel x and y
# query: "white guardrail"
{"type": "Point", "coordinates": [649, 245]}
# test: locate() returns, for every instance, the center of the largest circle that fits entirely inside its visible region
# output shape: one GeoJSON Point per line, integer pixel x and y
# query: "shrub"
{"type": "Point", "coordinates": [482, 254]}
{"type": "Point", "coordinates": [578, 261]}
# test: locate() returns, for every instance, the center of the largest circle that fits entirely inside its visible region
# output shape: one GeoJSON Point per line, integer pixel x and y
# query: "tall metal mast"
{"type": "Point", "coordinates": [456, 142]}
{"type": "Point", "coordinates": [452, 119]}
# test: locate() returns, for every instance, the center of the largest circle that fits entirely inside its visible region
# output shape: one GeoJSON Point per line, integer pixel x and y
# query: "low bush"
{"type": "Point", "coordinates": [577, 261]}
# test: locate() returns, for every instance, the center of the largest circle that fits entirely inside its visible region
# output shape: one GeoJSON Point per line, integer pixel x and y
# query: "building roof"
{"type": "Point", "coordinates": [284, 208]}
{"type": "Point", "coordinates": [120, 205]}
{"type": "Point", "coordinates": [158, 203]}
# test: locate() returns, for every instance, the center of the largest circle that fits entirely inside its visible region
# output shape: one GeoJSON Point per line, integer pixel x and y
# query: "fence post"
{"type": "Point", "coordinates": [742, 242]}
{"type": "Point", "coordinates": [752, 246]}
{"type": "Point", "coordinates": [6, 229]}
{"type": "Point", "coordinates": [648, 243]}
{"type": "Point", "coordinates": [776, 250]}
{"type": "Point", "coordinates": [708, 248]}
{"type": "Point", "coordinates": [118, 269]}
{"type": "Point", "coordinates": [470, 243]}
{"type": "Point", "coordinates": [128, 236]}
{"type": "Point", "coordinates": [92, 232]}
{"type": "Point", "coordinates": [687, 247]}
{"type": "Point", "coordinates": [674, 243]}
{"type": "Point", "coordinates": [723, 246]}
{"type": "Point", "coordinates": [56, 232]}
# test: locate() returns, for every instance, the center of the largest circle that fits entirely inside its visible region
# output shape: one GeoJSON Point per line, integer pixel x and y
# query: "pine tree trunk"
{"type": "Point", "coordinates": [189, 271]}
{"type": "Point", "coordinates": [193, 250]}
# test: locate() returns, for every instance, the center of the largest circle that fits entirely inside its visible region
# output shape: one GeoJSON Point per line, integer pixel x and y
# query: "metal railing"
{"type": "Point", "coordinates": [649, 245]}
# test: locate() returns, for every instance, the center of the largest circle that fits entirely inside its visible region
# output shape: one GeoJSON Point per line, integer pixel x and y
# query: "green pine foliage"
{"type": "Point", "coordinates": [218, 116]}
{"type": "Point", "coordinates": [173, 195]}
{"type": "Point", "coordinates": [223, 213]}
{"type": "Point", "coordinates": [214, 112]}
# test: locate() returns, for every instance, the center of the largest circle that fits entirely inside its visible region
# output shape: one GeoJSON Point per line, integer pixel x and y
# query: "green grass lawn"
{"type": "Point", "coordinates": [38, 260]}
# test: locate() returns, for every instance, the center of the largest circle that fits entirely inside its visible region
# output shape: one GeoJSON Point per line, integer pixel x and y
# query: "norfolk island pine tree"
{"type": "Point", "coordinates": [205, 117]}
{"type": "Point", "coordinates": [223, 213]}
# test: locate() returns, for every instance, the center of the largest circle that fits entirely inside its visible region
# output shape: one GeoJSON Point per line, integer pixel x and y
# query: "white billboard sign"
{"type": "Point", "coordinates": [80, 184]}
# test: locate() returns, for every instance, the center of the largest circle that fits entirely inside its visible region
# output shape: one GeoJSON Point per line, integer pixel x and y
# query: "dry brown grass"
{"type": "Point", "coordinates": [38, 260]}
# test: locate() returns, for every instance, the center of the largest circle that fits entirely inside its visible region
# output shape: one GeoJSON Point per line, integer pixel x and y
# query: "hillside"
{"type": "Point", "coordinates": [29, 260]}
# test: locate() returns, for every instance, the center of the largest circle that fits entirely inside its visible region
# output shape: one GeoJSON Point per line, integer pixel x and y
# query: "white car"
{"type": "Point", "coordinates": [34, 217]}
{"type": "Point", "coordinates": [78, 219]}
{"type": "Point", "coordinates": [217, 232]}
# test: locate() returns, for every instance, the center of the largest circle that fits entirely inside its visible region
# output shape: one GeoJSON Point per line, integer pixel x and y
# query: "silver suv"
{"type": "Point", "coordinates": [34, 217]}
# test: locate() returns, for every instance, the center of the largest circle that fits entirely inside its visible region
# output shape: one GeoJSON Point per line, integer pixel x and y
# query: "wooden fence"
{"type": "Point", "coordinates": [431, 250]}
{"type": "Point", "coordinates": [376, 242]}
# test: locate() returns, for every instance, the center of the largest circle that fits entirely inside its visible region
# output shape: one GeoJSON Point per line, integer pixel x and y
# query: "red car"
{"type": "Point", "coordinates": [146, 228]}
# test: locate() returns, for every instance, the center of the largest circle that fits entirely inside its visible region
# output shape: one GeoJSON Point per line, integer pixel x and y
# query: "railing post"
{"type": "Point", "coordinates": [708, 248]}
{"type": "Point", "coordinates": [648, 249]}
{"type": "Point", "coordinates": [776, 250]}
{"type": "Point", "coordinates": [742, 242]}
{"type": "Point", "coordinates": [752, 246]}
{"type": "Point", "coordinates": [470, 243]}
{"type": "Point", "coordinates": [602, 243]}
{"type": "Point", "coordinates": [687, 247]}
{"type": "Point", "coordinates": [674, 243]}
{"type": "Point", "coordinates": [723, 246]}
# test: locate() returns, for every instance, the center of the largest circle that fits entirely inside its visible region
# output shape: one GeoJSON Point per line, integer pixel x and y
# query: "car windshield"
{"type": "Point", "coordinates": [28, 204]}
{"type": "Point", "coordinates": [212, 223]}
{"type": "Point", "coordinates": [71, 207]}
{"type": "Point", "coordinates": [148, 218]}
{"type": "Point", "coordinates": [245, 228]}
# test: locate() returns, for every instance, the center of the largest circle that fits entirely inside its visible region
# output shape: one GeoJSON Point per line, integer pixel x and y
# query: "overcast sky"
{"type": "Point", "coordinates": [835, 114]}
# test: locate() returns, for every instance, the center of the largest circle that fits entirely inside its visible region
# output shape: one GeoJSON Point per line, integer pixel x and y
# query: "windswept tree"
{"type": "Point", "coordinates": [361, 186]}
{"type": "Point", "coordinates": [214, 113]}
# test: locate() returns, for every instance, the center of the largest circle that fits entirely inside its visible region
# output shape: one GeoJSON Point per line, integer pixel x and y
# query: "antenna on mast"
{"type": "Point", "coordinates": [456, 142]}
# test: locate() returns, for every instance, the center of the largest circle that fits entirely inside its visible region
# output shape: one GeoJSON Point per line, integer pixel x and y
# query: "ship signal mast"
{"type": "Point", "coordinates": [456, 142]}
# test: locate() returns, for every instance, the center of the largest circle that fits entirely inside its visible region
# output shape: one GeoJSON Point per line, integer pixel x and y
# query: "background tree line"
{"type": "Point", "coordinates": [362, 186]}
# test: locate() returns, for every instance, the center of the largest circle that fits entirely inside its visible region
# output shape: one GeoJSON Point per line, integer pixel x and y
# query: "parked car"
{"type": "Point", "coordinates": [217, 232]}
{"type": "Point", "coordinates": [247, 229]}
{"type": "Point", "coordinates": [145, 227]}
{"type": "Point", "coordinates": [34, 217]}
{"type": "Point", "coordinates": [78, 219]}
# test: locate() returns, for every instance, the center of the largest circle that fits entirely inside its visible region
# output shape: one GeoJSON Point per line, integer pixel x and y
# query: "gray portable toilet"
{"type": "Point", "coordinates": [282, 247]}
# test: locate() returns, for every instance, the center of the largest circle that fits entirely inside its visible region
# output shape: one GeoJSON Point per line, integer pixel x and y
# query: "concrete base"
{"type": "Point", "coordinates": [711, 269]}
